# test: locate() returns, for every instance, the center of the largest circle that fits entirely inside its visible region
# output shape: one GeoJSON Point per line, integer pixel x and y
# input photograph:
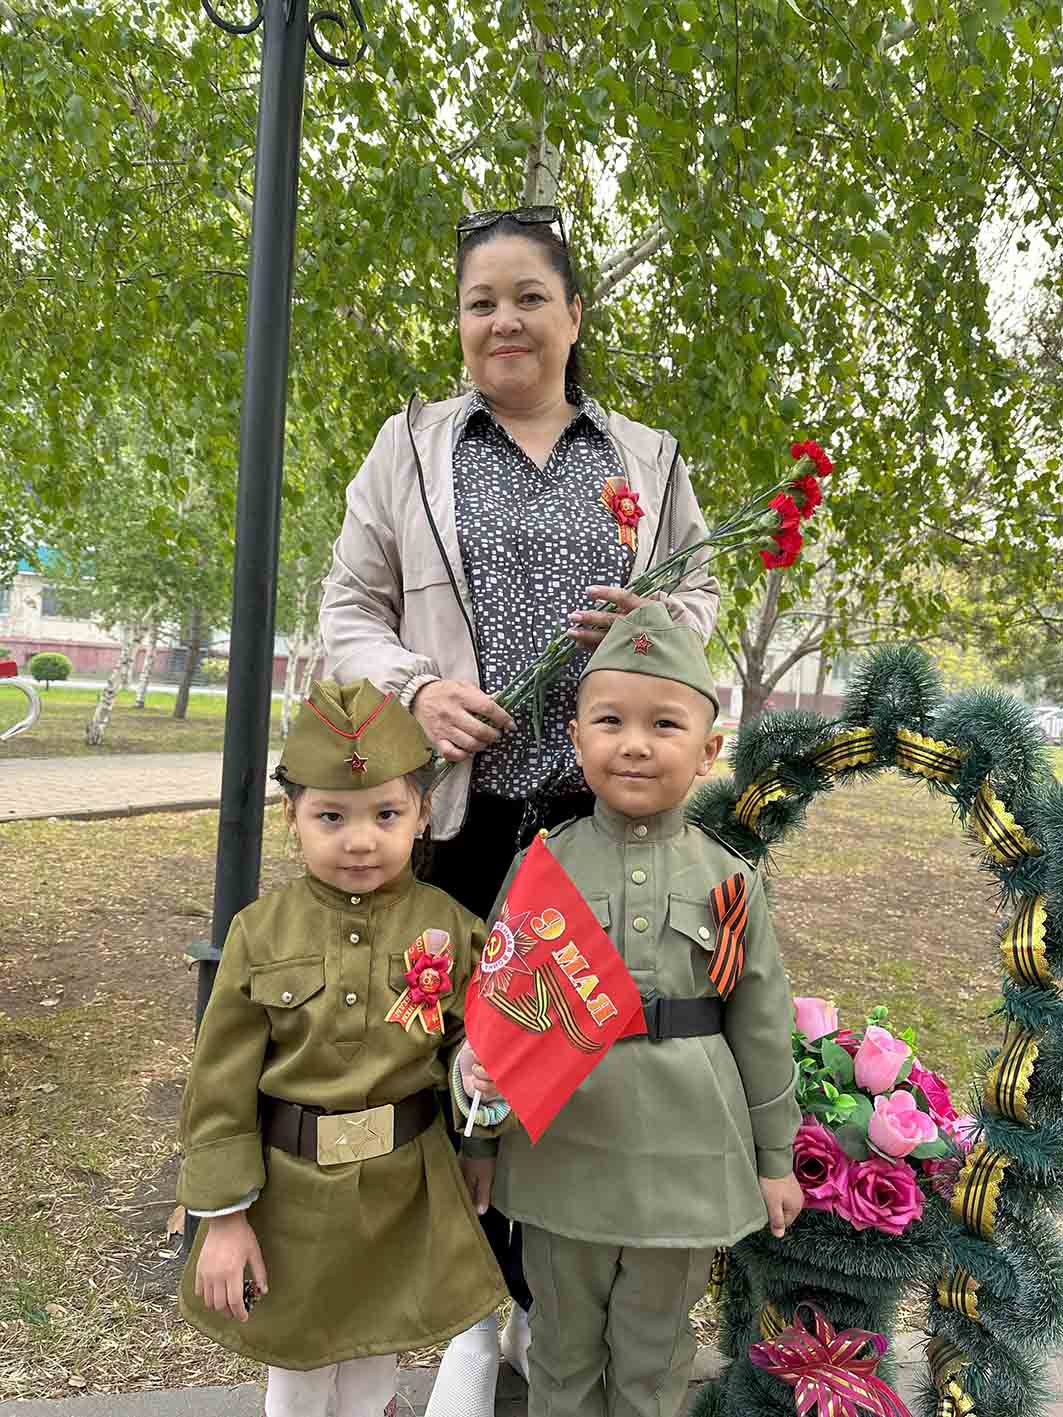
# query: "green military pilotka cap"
{"type": "Point", "coordinates": [351, 736]}
{"type": "Point", "coordinates": [648, 641]}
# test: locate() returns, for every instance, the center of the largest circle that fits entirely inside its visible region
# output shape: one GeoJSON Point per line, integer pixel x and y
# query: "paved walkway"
{"type": "Point", "coordinates": [120, 786]}
{"type": "Point", "coordinates": [415, 1385]}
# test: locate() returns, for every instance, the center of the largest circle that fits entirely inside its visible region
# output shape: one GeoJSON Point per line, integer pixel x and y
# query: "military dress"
{"type": "Point", "coordinates": [370, 1257]}
{"type": "Point", "coordinates": [662, 1144]}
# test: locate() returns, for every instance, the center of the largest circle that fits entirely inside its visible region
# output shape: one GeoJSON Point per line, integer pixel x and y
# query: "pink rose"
{"type": "Point", "coordinates": [879, 1059]}
{"type": "Point", "coordinates": [963, 1130]}
{"type": "Point", "coordinates": [848, 1040]}
{"type": "Point", "coordinates": [815, 1017]}
{"type": "Point", "coordinates": [936, 1091]}
{"type": "Point", "coordinates": [944, 1171]}
{"type": "Point", "coordinates": [820, 1165]}
{"type": "Point", "coordinates": [880, 1195]}
{"type": "Point", "coordinates": [897, 1126]}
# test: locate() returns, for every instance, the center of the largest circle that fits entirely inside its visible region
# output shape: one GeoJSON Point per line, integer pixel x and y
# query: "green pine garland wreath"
{"type": "Point", "coordinates": [999, 1312]}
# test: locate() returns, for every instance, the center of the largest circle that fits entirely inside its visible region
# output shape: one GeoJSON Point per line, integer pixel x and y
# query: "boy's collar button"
{"type": "Point", "coordinates": [356, 900]}
{"type": "Point", "coordinates": [641, 830]}
{"type": "Point", "coordinates": [639, 877]}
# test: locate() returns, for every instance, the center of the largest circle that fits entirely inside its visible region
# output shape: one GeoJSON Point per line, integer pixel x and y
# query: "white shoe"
{"type": "Point", "coordinates": [516, 1338]}
{"type": "Point", "coordinates": [468, 1375]}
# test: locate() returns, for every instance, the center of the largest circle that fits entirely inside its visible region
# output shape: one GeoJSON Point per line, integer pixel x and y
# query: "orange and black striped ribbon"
{"type": "Point", "coordinates": [928, 757]}
{"type": "Point", "coordinates": [1007, 1084]}
{"type": "Point", "coordinates": [959, 1291]}
{"type": "Point", "coordinates": [565, 1017]}
{"type": "Point", "coordinates": [771, 1322]}
{"type": "Point", "coordinates": [993, 825]}
{"type": "Point", "coordinates": [846, 750]}
{"type": "Point", "coordinates": [974, 1201]}
{"type": "Point", "coordinates": [531, 1012]}
{"type": "Point", "coordinates": [1023, 944]}
{"type": "Point", "coordinates": [729, 903]}
{"type": "Point", "coordinates": [717, 1275]}
{"type": "Point", "coordinates": [947, 1364]}
{"type": "Point", "coordinates": [756, 797]}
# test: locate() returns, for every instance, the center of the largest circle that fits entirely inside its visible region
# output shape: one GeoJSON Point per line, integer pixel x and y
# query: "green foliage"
{"type": "Point", "coordinates": [214, 671]}
{"type": "Point", "coordinates": [813, 194]}
{"type": "Point", "coordinates": [48, 667]}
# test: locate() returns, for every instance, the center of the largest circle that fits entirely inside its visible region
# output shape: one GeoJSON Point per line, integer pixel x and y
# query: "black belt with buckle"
{"type": "Point", "coordinates": [679, 1018]}
{"type": "Point", "coordinates": [351, 1136]}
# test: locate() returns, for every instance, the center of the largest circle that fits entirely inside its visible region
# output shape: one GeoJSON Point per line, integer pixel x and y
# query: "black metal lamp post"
{"type": "Point", "coordinates": [288, 27]}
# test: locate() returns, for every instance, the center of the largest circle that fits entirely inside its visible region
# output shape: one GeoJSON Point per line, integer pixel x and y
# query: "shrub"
{"type": "Point", "coordinates": [214, 671]}
{"type": "Point", "coordinates": [46, 667]}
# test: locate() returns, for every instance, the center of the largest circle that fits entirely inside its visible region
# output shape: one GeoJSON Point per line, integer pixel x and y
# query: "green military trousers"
{"type": "Point", "coordinates": [610, 1327]}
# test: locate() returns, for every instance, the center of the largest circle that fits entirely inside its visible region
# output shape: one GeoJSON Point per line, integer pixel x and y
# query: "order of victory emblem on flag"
{"type": "Point", "coordinates": [551, 994]}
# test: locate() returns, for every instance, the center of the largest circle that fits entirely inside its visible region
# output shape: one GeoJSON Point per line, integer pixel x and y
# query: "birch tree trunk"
{"type": "Point", "coordinates": [97, 725]}
{"type": "Point", "coordinates": [317, 646]}
{"type": "Point", "coordinates": [148, 665]}
{"type": "Point", "coordinates": [195, 641]}
{"type": "Point", "coordinates": [130, 638]}
{"type": "Point", "coordinates": [290, 670]}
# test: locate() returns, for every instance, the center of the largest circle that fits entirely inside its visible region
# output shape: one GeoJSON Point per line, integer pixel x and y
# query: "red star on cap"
{"type": "Point", "coordinates": [642, 644]}
{"type": "Point", "coordinates": [357, 762]}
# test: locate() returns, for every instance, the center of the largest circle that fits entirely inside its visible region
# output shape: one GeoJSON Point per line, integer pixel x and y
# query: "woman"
{"type": "Point", "coordinates": [475, 527]}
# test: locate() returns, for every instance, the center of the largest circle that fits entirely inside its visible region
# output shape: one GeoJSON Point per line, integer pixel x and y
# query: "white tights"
{"type": "Point", "coordinates": [363, 1387]}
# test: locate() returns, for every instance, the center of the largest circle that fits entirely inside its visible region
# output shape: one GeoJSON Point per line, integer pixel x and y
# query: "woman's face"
{"type": "Point", "coordinates": [516, 326]}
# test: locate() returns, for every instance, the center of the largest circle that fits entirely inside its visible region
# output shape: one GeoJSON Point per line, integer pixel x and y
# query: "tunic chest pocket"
{"type": "Point", "coordinates": [690, 918]}
{"type": "Point", "coordinates": [599, 905]}
{"type": "Point", "coordinates": [289, 984]}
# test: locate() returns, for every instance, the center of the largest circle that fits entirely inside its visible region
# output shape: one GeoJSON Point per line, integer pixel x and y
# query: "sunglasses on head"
{"type": "Point", "coordinates": [526, 216]}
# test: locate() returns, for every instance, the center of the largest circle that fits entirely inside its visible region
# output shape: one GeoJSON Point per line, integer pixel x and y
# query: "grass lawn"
{"type": "Point", "coordinates": [878, 901]}
{"type": "Point", "coordinates": [60, 730]}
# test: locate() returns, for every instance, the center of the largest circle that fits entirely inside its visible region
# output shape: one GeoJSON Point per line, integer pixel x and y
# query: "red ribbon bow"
{"type": "Point", "coordinates": [824, 1371]}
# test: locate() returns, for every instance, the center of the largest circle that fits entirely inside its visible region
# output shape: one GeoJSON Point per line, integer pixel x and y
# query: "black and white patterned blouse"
{"type": "Point", "coordinates": [532, 540]}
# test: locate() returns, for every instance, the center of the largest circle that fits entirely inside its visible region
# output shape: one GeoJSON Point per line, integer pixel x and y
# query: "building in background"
{"type": "Point", "coordinates": [38, 612]}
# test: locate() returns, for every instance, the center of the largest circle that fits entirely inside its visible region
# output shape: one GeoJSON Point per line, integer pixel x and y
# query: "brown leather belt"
{"type": "Point", "coordinates": [338, 1138]}
{"type": "Point", "coordinates": [679, 1018]}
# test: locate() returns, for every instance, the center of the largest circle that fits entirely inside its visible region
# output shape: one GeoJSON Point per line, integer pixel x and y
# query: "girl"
{"type": "Point", "coordinates": [313, 1144]}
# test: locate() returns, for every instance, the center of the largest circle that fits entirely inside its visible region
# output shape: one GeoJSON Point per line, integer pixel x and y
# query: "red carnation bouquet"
{"type": "Point", "coordinates": [773, 515]}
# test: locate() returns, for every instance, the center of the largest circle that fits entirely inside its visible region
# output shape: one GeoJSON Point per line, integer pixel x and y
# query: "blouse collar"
{"type": "Point", "coordinates": [588, 408]}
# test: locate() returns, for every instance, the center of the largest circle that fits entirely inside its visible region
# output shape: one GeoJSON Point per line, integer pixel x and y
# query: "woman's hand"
{"type": "Point", "coordinates": [459, 718]}
{"type": "Point", "coordinates": [231, 1246]}
{"type": "Point", "coordinates": [588, 627]}
{"type": "Point", "coordinates": [785, 1201]}
{"type": "Point", "coordinates": [479, 1173]}
{"type": "Point", "coordinates": [474, 1076]}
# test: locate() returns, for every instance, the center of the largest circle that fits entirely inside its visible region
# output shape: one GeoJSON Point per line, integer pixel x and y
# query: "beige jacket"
{"type": "Point", "coordinates": [396, 604]}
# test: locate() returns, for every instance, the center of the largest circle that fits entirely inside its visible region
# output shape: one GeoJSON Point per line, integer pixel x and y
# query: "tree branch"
{"type": "Point", "coordinates": [620, 265]}
{"type": "Point", "coordinates": [732, 657]}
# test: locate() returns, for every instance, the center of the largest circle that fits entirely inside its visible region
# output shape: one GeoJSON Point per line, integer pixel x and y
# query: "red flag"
{"type": "Point", "coordinates": [550, 996]}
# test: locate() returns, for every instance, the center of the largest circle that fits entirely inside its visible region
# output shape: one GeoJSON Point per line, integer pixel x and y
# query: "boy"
{"type": "Point", "coordinates": [682, 1140]}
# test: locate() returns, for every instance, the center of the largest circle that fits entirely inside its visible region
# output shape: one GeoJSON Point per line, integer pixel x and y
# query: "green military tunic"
{"type": "Point", "coordinates": [662, 1144]}
{"type": "Point", "coordinates": [369, 1257]}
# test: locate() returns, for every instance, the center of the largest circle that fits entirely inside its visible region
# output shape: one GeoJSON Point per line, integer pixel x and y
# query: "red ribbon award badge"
{"type": "Point", "coordinates": [429, 964]}
{"type": "Point", "coordinates": [550, 995]}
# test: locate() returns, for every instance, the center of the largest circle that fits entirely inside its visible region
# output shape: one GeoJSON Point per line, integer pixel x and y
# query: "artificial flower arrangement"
{"type": "Point", "coordinates": [878, 1129]}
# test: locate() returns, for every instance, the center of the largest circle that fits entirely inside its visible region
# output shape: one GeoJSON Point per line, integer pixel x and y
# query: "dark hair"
{"type": "Point", "coordinates": [559, 259]}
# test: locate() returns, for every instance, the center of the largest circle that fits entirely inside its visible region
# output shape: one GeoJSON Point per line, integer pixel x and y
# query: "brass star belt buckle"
{"type": "Point", "coordinates": [355, 1136]}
